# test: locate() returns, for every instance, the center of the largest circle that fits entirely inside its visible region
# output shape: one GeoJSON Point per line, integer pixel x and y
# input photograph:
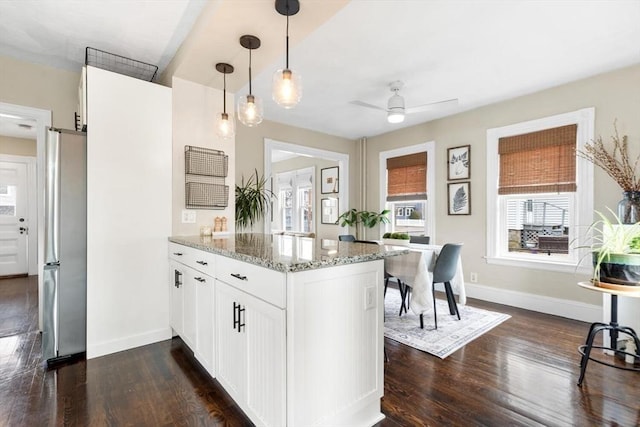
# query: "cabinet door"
{"type": "Point", "coordinates": [189, 307]}
{"type": "Point", "coordinates": [266, 362]}
{"type": "Point", "coordinates": [204, 321]}
{"type": "Point", "coordinates": [176, 280]}
{"type": "Point", "coordinates": [230, 344]}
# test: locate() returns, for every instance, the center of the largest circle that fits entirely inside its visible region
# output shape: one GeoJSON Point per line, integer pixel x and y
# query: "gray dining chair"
{"type": "Point", "coordinates": [443, 272]}
{"type": "Point", "coordinates": [347, 238]}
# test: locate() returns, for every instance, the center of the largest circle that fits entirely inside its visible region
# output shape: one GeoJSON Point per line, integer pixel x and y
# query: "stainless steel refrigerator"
{"type": "Point", "coordinates": [65, 270]}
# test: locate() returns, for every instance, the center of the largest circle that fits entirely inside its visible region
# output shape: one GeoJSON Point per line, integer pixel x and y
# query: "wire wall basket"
{"type": "Point", "coordinates": [205, 161]}
{"type": "Point", "coordinates": [120, 64]}
{"type": "Point", "coordinates": [200, 195]}
{"type": "Point", "coordinates": [205, 173]}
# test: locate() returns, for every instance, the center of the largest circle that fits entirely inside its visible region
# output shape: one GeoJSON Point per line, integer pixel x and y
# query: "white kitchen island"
{"type": "Point", "coordinates": [292, 327]}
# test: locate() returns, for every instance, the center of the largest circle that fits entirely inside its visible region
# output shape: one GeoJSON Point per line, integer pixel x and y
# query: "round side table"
{"type": "Point", "coordinates": [613, 328]}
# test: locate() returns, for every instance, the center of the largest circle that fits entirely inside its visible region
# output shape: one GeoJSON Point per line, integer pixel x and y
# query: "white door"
{"type": "Point", "coordinates": [14, 223]}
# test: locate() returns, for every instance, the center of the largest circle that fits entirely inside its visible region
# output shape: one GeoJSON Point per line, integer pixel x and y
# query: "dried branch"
{"type": "Point", "coordinates": [616, 163]}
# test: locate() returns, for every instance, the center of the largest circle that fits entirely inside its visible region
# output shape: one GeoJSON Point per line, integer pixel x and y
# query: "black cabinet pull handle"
{"type": "Point", "coordinates": [239, 276]}
{"type": "Point", "coordinates": [236, 320]}
{"type": "Point", "coordinates": [200, 279]}
{"type": "Point", "coordinates": [177, 276]}
{"type": "Point", "coordinates": [178, 253]}
{"type": "Point", "coordinates": [202, 262]}
{"type": "Point", "coordinates": [240, 318]}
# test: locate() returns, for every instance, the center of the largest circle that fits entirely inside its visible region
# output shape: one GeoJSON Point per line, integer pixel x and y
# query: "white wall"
{"type": "Point", "coordinates": [194, 111]}
{"type": "Point", "coordinates": [128, 212]}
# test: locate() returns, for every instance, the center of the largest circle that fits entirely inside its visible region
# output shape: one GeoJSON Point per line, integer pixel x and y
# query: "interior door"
{"type": "Point", "coordinates": [14, 223]}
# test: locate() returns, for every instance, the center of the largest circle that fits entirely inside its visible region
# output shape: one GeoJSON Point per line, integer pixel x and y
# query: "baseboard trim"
{"type": "Point", "coordinates": [543, 304]}
{"type": "Point", "coordinates": [126, 343]}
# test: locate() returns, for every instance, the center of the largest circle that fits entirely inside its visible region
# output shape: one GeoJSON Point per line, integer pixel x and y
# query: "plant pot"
{"type": "Point", "coordinates": [396, 242]}
{"type": "Point", "coordinates": [619, 269]}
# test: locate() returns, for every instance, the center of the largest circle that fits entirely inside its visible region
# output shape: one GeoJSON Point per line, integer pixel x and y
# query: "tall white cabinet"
{"type": "Point", "coordinates": [129, 160]}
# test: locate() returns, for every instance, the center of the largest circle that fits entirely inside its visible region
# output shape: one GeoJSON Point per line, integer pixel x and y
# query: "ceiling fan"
{"type": "Point", "coordinates": [395, 106]}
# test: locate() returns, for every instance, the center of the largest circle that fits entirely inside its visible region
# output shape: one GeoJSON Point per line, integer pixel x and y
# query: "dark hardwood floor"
{"type": "Point", "coordinates": [522, 372]}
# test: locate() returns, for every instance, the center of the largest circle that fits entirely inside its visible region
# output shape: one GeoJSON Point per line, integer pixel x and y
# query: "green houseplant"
{"type": "Point", "coordinates": [401, 239]}
{"type": "Point", "coordinates": [615, 251]}
{"type": "Point", "coordinates": [253, 200]}
{"type": "Point", "coordinates": [368, 219]}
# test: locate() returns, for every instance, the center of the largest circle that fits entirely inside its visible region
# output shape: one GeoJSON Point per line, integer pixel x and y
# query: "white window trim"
{"type": "Point", "coordinates": [583, 205]}
{"type": "Point", "coordinates": [430, 148]}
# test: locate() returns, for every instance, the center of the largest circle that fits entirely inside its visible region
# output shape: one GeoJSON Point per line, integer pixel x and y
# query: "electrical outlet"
{"type": "Point", "coordinates": [369, 297]}
{"type": "Point", "coordinates": [474, 277]}
{"type": "Point", "coordinates": [188, 217]}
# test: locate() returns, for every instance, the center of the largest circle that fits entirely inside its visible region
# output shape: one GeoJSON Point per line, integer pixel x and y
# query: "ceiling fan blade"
{"type": "Point", "coordinates": [431, 106]}
{"type": "Point", "coordinates": [365, 104]}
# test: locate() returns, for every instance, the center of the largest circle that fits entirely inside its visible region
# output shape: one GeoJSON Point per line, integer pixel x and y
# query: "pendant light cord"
{"type": "Point", "coordinates": [287, 35]}
{"type": "Point", "coordinates": [250, 72]}
{"type": "Point", "coordinates": [224, 93]}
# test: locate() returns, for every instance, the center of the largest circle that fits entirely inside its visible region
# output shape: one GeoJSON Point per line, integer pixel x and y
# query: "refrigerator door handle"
{"type": "Point", "coordinates": [50, 329]}
{"type": "Point", "coordinates": [52, 196]}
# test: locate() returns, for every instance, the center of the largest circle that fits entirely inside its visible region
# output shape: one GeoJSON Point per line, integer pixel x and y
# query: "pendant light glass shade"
{"type": "Point", "coordinates": [225, 128]}
{"type": "Point", "coordinates": [250, 109]}
{"type": "Point", "coordinates": [287, 88]}
{"type": "Point", "coordinates": [287, 84]}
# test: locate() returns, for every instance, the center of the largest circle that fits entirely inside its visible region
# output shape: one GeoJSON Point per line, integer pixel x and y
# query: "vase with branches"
{"type": "Point", "coordinates": [617, 163]}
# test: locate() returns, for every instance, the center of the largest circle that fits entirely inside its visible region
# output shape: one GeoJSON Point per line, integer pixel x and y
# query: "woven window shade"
{"type": "Point", "coordinates": [538, 162]}
{"type": "Point", "coordinates": [407, 177]}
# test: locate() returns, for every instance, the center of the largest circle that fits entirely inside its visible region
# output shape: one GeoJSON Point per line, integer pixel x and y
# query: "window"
{"type": "Point", "coordinates": [405, 190]}
{"type": "Point", "coordinates": [295, 201]}
{"type": "Point", "coordinates": [539, 194]}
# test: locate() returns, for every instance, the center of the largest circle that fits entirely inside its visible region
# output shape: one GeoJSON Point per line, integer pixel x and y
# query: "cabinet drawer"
{"type": "Point", "coordinates": [195, 258]}
{"type": "Point", "coordinates": [268, 285]}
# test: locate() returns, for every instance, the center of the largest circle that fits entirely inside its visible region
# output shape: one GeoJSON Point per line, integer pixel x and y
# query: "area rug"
{"type": "Point", "coordinates": [451, 335]}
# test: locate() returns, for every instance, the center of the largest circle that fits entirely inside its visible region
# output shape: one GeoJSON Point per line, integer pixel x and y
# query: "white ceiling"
{"type": "Point", "coordinates": [480, 52]}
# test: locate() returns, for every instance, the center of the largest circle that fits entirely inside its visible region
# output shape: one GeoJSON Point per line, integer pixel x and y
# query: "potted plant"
{"type": "Point", "coordinates": [253, 200]}
{"type": "Point", "coordinates": [397, 239]}
{"type": "Point", "coordinates": [368, 219]}
{"type": "Point", "coordinates": [615, 252]}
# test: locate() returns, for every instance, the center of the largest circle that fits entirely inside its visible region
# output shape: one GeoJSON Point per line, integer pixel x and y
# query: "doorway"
{"type": "Point", "coordinates": [17, 208]}
{"type": "Point", "coordinates": [41, 119]}
{"type": "Point", "coordinates": [275, 151]}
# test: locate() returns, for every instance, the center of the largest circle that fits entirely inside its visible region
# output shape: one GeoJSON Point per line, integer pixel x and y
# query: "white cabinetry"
{"type": "Point", "coordinates": [292, 349]}
{"type": "Point", "coordinates": [251, 354]}
{"type": "Point", "coordinates": [192, 315]}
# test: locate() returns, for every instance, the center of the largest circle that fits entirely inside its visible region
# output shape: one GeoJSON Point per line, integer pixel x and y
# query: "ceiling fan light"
{"type": "Point", "coordinates": [287, 88]}
{"type": "Point", "coordinates": [225, 127]}
{"type": "Point", "coordinates": [250, 110]}
{"type": "Point", "coordinates": [395, 116]}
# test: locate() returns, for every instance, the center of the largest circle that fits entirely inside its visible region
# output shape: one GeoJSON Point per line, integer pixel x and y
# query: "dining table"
{"type": "Point", "coordinates": [415, 269]}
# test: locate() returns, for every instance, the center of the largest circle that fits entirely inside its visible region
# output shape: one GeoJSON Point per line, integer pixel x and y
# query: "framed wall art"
{"type": "Point", "coordinates": [459, 198]}
{"type": "Point", "coordinates": [329, 210]}
{"type": "Point", "coordinates": [329, 180]}
{"type": "Point", "coordinates": [459, 162]}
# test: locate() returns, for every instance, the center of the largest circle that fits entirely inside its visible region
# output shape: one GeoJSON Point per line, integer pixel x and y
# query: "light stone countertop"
{"type": "Point", "coordinates": [288, 253]}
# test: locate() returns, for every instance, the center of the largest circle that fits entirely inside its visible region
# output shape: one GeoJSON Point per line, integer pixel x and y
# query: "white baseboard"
{"type": "Point", "coordinates": [126, 343]}
{"type": "Point", "coordinates": [543, 304]}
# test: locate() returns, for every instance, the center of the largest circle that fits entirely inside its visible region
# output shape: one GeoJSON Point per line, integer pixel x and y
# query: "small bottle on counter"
{"type": "Point", "coordinates": [224, 224]}
{"type": "Point", "coordinates": [205, 230]}
{"type": "Point", "coordinates": [217, 224]}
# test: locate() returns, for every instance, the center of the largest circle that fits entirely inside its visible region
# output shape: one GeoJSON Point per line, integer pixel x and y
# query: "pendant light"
{"type": "Point", "coordinates": [225, 127]}
{"type": "Point", "coordinates": [287, 84]}
{"type": "Point", "coordinates": [250, 108]}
